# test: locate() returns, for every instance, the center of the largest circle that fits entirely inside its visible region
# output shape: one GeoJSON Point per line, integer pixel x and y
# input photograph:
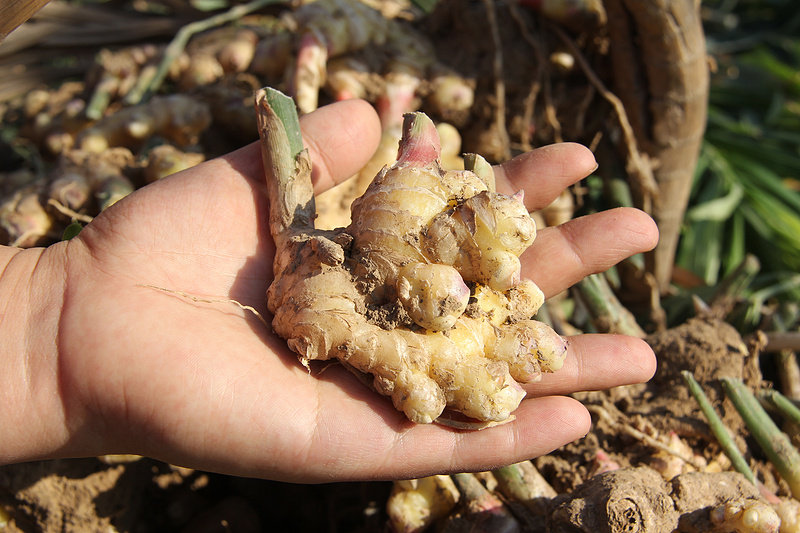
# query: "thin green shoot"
{"type": "Point", "coordinates": [718, 428]}
{"type": "Point", "coordinates": [775, 444]}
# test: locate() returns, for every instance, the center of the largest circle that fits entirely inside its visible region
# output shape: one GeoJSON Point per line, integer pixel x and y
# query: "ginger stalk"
{"type": "Point", "coordinates": [526, 493]}
{"type": "Point", "coordinates": [330, 28]}
{"type": "Point", "coordinates": [176, 47]}
{"type": "Point", "coordinates": [523, 482]}
{"type": "Point", "coordinates": [396, 99]}
{"type": "Point", "coordinates": [718, 428]}
{"type": "Point", "coordinates": [561, 210]}
{"type": "Point", "coordinates": [362, 294]}
{"type": "Point", "coordinates": [774, 443]}
{"type": "Point", "coordinates": [119, 458]}
{"type": "Point", "coordinates": [112, 189]}
{"type": "Point", "coordinates": [116, 74]}
{"type": "Point", "coordinates": [480, 510]}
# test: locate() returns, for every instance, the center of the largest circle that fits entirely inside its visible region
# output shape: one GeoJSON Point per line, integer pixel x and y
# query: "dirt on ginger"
{"type": "Point", "coordinates": [422, 291]}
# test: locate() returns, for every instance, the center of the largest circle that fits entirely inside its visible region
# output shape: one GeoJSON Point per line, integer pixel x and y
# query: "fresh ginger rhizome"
{"type": "Point", "coordinates": [422, 290]}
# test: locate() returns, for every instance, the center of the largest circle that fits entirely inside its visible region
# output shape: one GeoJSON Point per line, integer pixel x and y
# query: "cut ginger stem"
{"type": "Point", "coordinates": [421, 292]}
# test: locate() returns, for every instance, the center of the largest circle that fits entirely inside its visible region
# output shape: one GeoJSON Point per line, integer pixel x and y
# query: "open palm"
{"type": "Point", "coordinates": [202, 383]}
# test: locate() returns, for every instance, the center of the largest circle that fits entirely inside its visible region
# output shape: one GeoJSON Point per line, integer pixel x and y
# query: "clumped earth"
{"type": "Point", "coordinates": [614, 479]}
{"type": "Point", "coordinates": [139, 494]}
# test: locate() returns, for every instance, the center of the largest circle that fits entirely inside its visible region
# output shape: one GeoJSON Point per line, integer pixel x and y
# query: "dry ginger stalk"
{"type": "Point", "coordinates": [421, 291]}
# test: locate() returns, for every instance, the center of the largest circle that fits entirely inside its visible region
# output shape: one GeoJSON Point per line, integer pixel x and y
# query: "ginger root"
{"type": "Point", "coordinates": [178, 117]}
{"type": "Point", "coordinates": [415, 504]}
{"type": "Point", "coordinates": [422, 290]}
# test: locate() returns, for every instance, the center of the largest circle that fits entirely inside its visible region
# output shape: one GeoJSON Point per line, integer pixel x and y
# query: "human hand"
{"type": "Point", "coordinates": [134, 369]}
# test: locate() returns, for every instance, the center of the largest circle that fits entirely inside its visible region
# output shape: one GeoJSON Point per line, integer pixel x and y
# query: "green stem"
{"type": "Point", "coordinates": [511, 482]}
{"type": "Point", "coordinates": [142, 85]}
{"type": "Point", "coordinates": [287, 167]}
{"type": "Point", "coordinates": [718, 428]}
{"type": "Point", "coordinates": [523, 484]}
{"type": "Point", "coordinates": [181, 39]}
{"type": "Point", "coordinates": [775, 444]}
{"type": "Point", "coordinates": [101, 97]}
{"type": "Point", "coordinates": [607, 312]}
{"type": "Point", "coordinates": [426, 6]}
{"type": "Point", "coordinates": [619, 192]}
{"type": "Point", "coordinates": [737, 281]}
{"type": "Point", "coordinates": [784, 405]}
{"type": "Point", "coordinates": [527, 494]}
{"type": "Point", "coordinates": [286, 111]}
{"type": "Point", "coordinates": [482, 510]}
{"type": "Point", "coordinates": [477, 498]}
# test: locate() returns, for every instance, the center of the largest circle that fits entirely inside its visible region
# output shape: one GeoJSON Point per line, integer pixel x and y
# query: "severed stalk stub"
{"type": "Point", "coordinates": [421, 292]}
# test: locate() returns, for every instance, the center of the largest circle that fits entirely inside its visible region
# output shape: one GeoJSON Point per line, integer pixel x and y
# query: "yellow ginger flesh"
{"type": "Point", "coordinates": [415, 504]}
{"type": "Point", "coordinates": [745, 516]}
{"type": "Point", "coordinates": [422, 291]}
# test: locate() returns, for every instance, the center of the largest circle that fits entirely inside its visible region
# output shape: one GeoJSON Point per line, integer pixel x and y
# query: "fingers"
{"type": "Point", "coordinates": [597, 362]}
{"type": "Point", "coordinates": [541, 425]}
{"type": "Point", "coordinates": [545, 172]}
{"type": "Point", "coordinates": [563, 255]}
{"type": "Point", "coordinates": [341, 138]}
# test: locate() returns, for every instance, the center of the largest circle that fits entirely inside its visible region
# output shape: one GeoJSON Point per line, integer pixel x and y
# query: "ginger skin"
{"type": "Point", "coordinates": [361, 294]}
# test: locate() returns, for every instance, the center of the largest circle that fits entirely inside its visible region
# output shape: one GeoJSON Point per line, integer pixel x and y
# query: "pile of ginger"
{"type": "Point", "coordinates": [422, 291]}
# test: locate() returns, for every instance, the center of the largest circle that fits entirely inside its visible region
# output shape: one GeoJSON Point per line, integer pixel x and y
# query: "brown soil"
{"type": "Point", "coordinates": [146, 495]}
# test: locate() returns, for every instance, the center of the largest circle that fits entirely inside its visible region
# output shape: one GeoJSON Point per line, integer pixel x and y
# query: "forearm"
{"type": "Point", "coordinates": [31, 292]}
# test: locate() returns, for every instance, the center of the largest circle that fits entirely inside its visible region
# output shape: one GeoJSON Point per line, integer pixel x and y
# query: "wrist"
{"type": "Point", "coordinates": [31, 296]}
